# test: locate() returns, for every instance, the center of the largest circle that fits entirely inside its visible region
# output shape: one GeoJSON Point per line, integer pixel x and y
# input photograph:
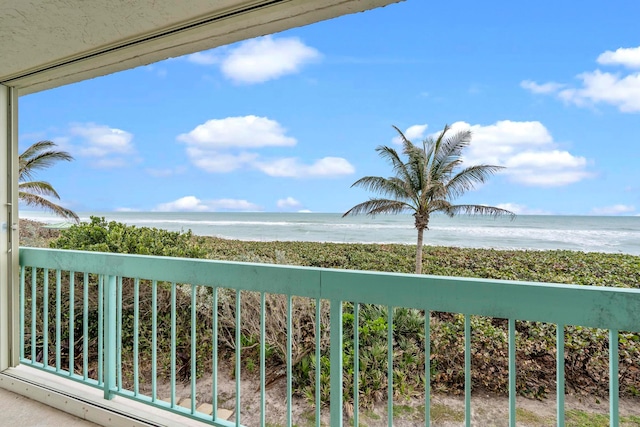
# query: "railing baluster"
{"type": "Point", "coordinates": [72, 339]}
{"type": "Point", "coordinates": [614, 418]}
{"type": "Point", "coordinates": [467, 370]}
{"type": "Point", "coordinates": [289, 376]}
{"type": "Point", "coordinates": [356, 363]}
{"type": "Point", "coordinates": [154, 340]}
{"type": "Point", "coordinates": [318, 359]}
{"type": "Point", "coordinates": [110, 323]}
{"type": "Point", "coordinates": [214, 356]}
{"type": "Point", "coordinates": [512, 373]}
{"type": "Point", "coordinates": [119, 334]}
{"type": "Point", "coordinates": [194, 345]}
{"type": "Point", "coordinates": [262, 359]}
{"type": "Point", "coordinates": [390, 365]}
{"type": "Point", "coordinates": [335, 346]}
{"type": "Point", "coordinates": [34, 298]}
{"type": "Point", "coordinates": [427, 367]}
{"type": "Point", "coordinates": [85, 326]}
{"type": "Point", "coordinates": [560, 374]}
{"type": "Point", "coordinates": [238, 355]}
{"type": "Point", "coordinates": [58, 317]}
{"type": "Point", "coordinates": [100, 327]}
{"type": "Point", "coordinates": [45, 318]}
{"type": "Point", "coordinates": [173, 345]}
{"type": "Point", "coordinates": [136, 335]}
{"type": "Point", "coordinates": [21, 311]}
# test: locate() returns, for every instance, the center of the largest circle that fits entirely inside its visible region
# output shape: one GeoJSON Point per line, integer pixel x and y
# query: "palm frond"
{"type": "Point", "coordinates": [439, 205]}
{"type": "Point", "coordinates": [36, 147]}
{"type": "Point", "coordinates": [434, 189]}
{"type": "Point", "coordinates": [411, 192]}
{"type": "Point", "coordinates": [38, 201]}
{"type": "Point", "coordinates": [375, 207]}
{"type": "Point", "coordinates": [480, 210]}
{"type": "Point", "coordinates": [447, 156]}
{"type": "Point", "coordinates": [42, 188]}
{"type": "Point", "coordinates": [392, 156]}
{"type": "Point", "coordinates": [467, 178]}
{"type": "Point", "coordinates": [388, 186]}
{"type": "Point", "coordinates": [40, 155]}
{"type": "Point", "coordinates": [403, 138]}
{"type": "Point", "coordinates": [416, 165]}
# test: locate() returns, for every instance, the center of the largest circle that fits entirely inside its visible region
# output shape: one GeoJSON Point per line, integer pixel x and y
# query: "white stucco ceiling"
{"type": "Point", "coordinates": [49, 43]}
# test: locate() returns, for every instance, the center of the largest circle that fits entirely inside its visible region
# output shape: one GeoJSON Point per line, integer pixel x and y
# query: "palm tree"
{"type": "Point", "coordinates": [427, 182]}
{"type": "Point", "coordinates": [41, 155]}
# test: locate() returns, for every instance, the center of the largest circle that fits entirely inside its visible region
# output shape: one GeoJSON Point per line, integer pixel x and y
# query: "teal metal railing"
{"type": "Point", "coordinates": [94, 350]}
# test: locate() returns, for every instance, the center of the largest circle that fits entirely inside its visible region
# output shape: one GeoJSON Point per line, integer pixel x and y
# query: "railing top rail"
{"type": "Point", "coordinates": [592, 306]}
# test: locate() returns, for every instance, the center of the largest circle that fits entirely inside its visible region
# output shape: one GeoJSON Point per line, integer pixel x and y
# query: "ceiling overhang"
{"type": "Point", "coordinates": [48, 44]}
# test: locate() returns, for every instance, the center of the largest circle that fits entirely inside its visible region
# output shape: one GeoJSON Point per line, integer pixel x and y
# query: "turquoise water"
{"type": "Point", "coordinates": [580, 233]}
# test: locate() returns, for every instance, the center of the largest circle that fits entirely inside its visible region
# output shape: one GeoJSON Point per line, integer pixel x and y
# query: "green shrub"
{"type": "Point", "coordinates": [100, 236]}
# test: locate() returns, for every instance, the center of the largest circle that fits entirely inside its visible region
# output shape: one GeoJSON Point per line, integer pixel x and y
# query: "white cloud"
{"type": "Point", "coordinates": [526, 149]}
{"type": "Point", "coordinates": [413, 133]}
{"type": "Point", "coordinates": [616, 89]}
{"type": "Point", "coordinates": [494, 144]}
{"type": "Point", "coordinates": [127, 210]}
{"type": "Point", "coordinates": [220, 146]}
{"type": "Point", "coordinates": [187, 203]}
{"type": "Point", "coordinates": [293, 168]}
{"type": "Point", "coordinates": [266, 58]}
{"type": "Point", "coordinates": [517, 133]}
{"type": "Point", "coordinates": [553, 159]}
{"type": "Point", "coordinates": [193, 204]}
{"type": "Point", "coordinates": [288, 203]}
{"type": "Point", "coordinates": [629, 57]}
{"type": "Point", "coordinates": [550, 87]}
{"type": "Point", "coordinates": [101, 140]}
{"type": "Point", "coordinates": [245, 131]}
{"type": "Point", "coordinates": [618, 209]}
{"type": "Point", "coordinates": [108, 147]}
{"type": "Point", "coordinates": [608, 88]}
{"type": "Point", "coordinates": [522, 209]}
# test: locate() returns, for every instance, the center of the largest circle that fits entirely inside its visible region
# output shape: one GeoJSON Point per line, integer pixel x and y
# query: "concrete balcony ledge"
{"type": "Point", "coordinates": [30, 398]}
{"type": "Point", "coordinates": [21, 411]}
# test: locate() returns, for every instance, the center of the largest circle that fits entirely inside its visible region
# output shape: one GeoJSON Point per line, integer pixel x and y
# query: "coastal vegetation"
{"type": "Point", "coordinates": [427, 182]}
{"type": "Point", "coordinates": [41, 155]}
{"type": "Point", "coordinates": [586, 349]}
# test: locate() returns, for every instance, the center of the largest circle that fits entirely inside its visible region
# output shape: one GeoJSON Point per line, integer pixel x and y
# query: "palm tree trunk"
{"type": "Point", "coordinates": [419, 251]}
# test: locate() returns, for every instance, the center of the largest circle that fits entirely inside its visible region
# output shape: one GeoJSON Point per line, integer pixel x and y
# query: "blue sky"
{"type": "Point", "coordinates": [288, 122]}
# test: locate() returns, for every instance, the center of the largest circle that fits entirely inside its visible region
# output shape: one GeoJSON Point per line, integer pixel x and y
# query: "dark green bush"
{"type": "Point", "coordinates": [100, 236]}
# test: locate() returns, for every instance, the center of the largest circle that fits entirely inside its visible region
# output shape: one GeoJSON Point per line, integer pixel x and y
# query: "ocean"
{"type": "Point", "coordinates": [531, 232]}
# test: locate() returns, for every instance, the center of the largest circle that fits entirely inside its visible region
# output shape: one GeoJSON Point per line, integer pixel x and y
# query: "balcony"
{"type": "Point", "coordinates": [96, 351]}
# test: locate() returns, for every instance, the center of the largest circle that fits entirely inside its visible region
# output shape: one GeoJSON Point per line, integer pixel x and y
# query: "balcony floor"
{"type": "Point", "coordinates": [21, 411]}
